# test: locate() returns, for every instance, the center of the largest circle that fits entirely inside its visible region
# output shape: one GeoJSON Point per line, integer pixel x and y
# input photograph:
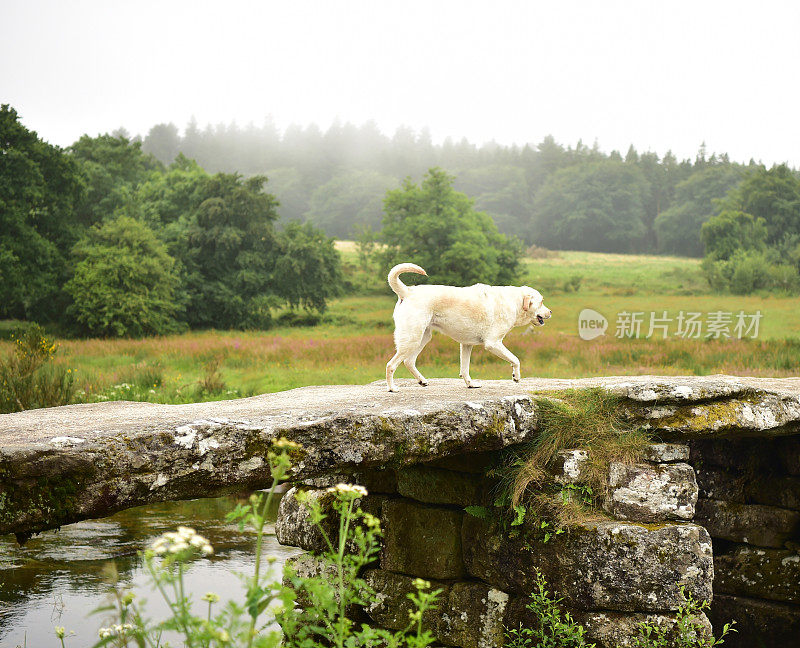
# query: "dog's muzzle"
{"type": "Point", "coordinates": [540, 319]}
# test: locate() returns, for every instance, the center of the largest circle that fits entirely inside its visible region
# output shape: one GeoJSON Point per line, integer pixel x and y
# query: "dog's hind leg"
{"type": "Point", "coordinates": [391, 367]}
{"type": "Point", "coordinates": [499, 349]}
{"type": "Point", "coordinates": [411, 363]}
{"type": "Point", "coordinates": [408, 341]}
{"type": "Point", "coordinates": [466, 351]}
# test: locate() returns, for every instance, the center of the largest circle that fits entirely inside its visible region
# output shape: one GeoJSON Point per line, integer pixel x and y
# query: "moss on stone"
{"type": "Point", "coordinates": [47, 502]}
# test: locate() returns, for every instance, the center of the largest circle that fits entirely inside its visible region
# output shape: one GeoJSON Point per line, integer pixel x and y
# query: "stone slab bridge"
{"type": "Point", "coordinates": [727, 468]}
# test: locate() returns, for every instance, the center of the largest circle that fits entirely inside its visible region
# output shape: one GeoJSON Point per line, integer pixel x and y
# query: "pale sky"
{"type": "Point", "coordinates": [661, 75]}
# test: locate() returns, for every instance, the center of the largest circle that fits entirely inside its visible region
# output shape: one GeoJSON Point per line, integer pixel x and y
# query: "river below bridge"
{"type": "Point", "coordinates": [59, 577]}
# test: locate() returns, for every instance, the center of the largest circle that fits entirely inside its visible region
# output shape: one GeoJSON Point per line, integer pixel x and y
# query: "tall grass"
{"type": "Point", "coordinates": [27, 377]}
{"type": "Point", "coordinates": [353, 341]}
{"type": "Point", "coordinates": [572, 419]}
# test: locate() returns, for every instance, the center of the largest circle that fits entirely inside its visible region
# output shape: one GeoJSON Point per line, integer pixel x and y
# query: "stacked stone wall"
{"type": "Point", "coordinates": [615, 572]}
{"type": "Point", "coordinates": [750, 504]}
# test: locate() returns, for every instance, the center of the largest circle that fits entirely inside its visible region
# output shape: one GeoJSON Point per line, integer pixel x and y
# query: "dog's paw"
{"type": "Point", "coordinates": [424, 383]}
{"type": "Point", "coordinates": [475, 384]}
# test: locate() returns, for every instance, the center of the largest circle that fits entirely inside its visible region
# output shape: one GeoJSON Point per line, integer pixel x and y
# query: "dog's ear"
{"type": "Point", "coordinates": [526, 302]}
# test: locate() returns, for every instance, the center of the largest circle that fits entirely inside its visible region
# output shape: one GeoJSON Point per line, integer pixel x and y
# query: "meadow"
{"type": "Point", "coordinates": [353, 341]}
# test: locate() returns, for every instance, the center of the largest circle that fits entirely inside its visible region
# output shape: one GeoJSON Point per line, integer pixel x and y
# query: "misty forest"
{"type": "Point", "coordinates": [222, 226]}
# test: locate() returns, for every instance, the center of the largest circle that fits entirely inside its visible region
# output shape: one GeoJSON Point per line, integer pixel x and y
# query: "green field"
{"type": "Point", "coordinates": [354, 341]}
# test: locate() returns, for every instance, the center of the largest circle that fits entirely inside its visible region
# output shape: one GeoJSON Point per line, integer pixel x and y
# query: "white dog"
{"type": "Point", "coordinates": [478, 314]}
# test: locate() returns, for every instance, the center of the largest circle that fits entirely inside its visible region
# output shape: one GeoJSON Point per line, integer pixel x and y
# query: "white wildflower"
{"type": "Point", "coordinates": [348, 489]}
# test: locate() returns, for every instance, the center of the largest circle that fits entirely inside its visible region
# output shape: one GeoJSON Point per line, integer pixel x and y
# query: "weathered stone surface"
{"type": "Point", "coordinates": [754, 456]}
{"type": "Point", "coordinates": [764, 526]}
{"type": "Point", "coordinates": [468, 614]}
{"type": "Point", "coordinates": [732, 486]}
{"type": "Point", "coordinates": [789, 453]}
{"type": "Point", "coordinates": [758, 573]}
{"type": "Point", "coordinates": [379, 481]}
{"type": "Point", "coordinates": [712, 406]}
{"type": "Point", "coordinates": [64, 464]}
{"type": "Point", "coordinates": [293, 526]}
{"type": "Point", "coordinates": [567, 467]}
{"type": "Point", "coordinates": [472, 616]}
{"type": "Point", "coordinates": [390, 606]}
{"type": "Point", "coordinates": [666, 452]}
{"type": "Point", "coordinates": [471, 462]}
{"type": "Point", "coordinates": [758, 623]}
{"type": "Point", "coordinates": [305, 565]}
{"type": "Point", "coordinates": [439, 486]}
{"type": "Point", "coordinates": [620, 630]}
{"type": "Point", "coordinates": [421, 540]}
{"type": "Point", "coordinates": [605, 628]}
{"type": "Point", "coordinates": [651, 493]}
{"type": "Point", "coordinates": [600, 565]}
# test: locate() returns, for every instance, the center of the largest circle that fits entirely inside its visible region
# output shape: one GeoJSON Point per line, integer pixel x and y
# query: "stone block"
{"type": "Point", "coordinates": [772, 574]}
{"type": "Point", "coordinates": [467, 614]}
{"type": "Point", "coordinates": [758, 623]}
{"type": "Point", "coordinates": [439, 486]}
{"type": "Point", "coordinates": [604, 628]}
{"type": "Point", "coordinates": [666, 452]}
{"type": "Point", "coordinates": [390, 606]}
{"type": "Point", "coordinates": [789, 453]}
{"type": "Point", "coordinates": [472, 616]}
{"type": "Point", "coordinates": [421, 540]}
{"type": "Point", "coordinates": [620, 630]}
{"type": "Point", "coordinates": [753, 455]}
{"type": "Point", "coordinates": [733, 486]}
{"type": "Point", "coordinates": [567, 468]}
{"type": "Point", "coordinates": [651, 493]}
{"type": "Point", "coordinates": [470, 462]}
{"type": "Point", "coordinates": [293, 526]}
{"type": "Point", "coordinates": [597, 565]}
{"type": "Point", "coordinates": [755, 524]}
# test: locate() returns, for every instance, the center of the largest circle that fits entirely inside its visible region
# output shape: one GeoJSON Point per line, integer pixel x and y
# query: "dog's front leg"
{"type": "Point", "coordinates": [499, 349]}
{"type": "Point", "coordinates": [466, 352]}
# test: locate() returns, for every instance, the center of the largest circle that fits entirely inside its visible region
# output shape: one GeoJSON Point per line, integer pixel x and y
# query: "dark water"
{"type": "Point", "coordinates": [58, 578]}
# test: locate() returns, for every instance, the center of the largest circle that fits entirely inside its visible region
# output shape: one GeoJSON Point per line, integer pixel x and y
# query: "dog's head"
{"type": "Point", "coordinates": [533, 306]}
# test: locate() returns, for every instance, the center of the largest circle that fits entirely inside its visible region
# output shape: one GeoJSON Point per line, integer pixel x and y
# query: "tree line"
{"type": "Point", "coordinates": [119, 236]}
{"type": "Point", "coordinates": [104, 239]}
{"type": "Point", "coordinates": [573, 197]}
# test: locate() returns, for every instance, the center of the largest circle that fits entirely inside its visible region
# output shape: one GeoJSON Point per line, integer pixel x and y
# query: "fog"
{"type": "Point", "coordinates": [660, 76]}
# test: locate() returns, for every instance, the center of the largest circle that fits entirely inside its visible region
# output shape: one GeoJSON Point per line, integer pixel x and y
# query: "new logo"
{"type": "Point", "coordinates": [591, 324]}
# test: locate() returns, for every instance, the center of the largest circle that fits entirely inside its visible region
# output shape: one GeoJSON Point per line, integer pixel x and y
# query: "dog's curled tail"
{"type": "Point", "coordinates": [394, 277]}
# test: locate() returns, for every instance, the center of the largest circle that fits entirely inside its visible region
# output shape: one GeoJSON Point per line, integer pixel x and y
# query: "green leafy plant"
{"type": "Point", "coordinates": [26, 378]}
{"type": "Point", "coordinates": [240, 625]}
{"type": "Point", "coordinates": [327, 598]}
{"type": "Point", "coordinates": [689, 630]}
{"type": "Point", "coordinates": [552, 627]}
{"type": "Point", "coordinates": [324, 619]}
